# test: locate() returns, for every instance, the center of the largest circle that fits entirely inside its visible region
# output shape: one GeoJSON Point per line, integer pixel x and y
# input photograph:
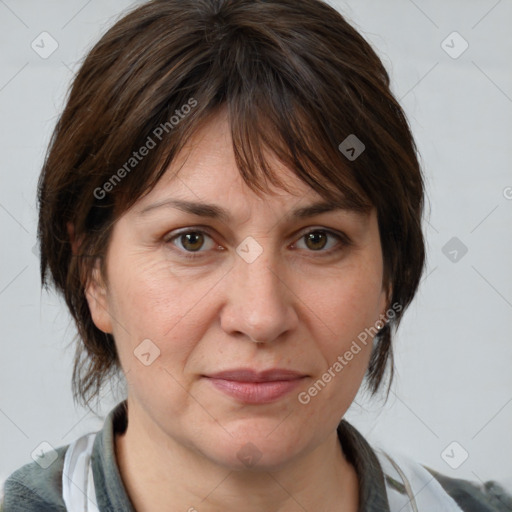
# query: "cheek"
{"type": "Point", "coordinates": [345, 310]}
{"type": "Point", "coordinates": [148, 300]}
{"type": "Point", "coordinates": [348, 300]}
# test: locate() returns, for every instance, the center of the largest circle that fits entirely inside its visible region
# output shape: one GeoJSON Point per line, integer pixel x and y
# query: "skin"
{"type": "Point", "coordinates": [303, 302]}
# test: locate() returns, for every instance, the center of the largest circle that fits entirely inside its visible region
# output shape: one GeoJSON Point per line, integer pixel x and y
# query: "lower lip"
{"type": "Point", "coordinates": [255, 392]}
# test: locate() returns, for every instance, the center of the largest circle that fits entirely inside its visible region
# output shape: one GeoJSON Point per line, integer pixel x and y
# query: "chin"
{"type": "Point", "coordinates": [256, 445]}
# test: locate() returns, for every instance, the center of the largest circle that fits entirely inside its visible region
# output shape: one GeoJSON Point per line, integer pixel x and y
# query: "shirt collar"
{"type": "Point", "coordinates": [372, 487]}
{"type": "Point", "coordinates": [111, 494]}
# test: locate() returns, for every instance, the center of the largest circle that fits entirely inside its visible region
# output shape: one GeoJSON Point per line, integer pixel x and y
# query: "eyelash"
{"type": "Point", "coordinates": [343, 241]}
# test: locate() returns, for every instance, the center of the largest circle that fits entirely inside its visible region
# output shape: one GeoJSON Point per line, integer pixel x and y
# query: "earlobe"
{"type": "Point", "coordinates": [97, 298]}
{"type": "Point", "coordinates": [95, 289]}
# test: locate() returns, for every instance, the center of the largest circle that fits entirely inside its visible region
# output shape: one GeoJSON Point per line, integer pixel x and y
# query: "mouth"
{"type": "Point", "coordinates": [256, 387]}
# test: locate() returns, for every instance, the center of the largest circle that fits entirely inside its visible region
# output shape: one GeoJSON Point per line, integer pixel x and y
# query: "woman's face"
{"type": "Point", "coordinates": [206, 277]}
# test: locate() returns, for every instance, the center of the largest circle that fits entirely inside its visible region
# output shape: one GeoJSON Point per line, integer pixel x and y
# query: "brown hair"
{"type": "Point", "coordinates": [296, 80]}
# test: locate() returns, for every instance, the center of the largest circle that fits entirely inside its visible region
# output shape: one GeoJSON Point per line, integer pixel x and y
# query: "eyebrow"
{"type": "Point", "coordinates": [217, 212]}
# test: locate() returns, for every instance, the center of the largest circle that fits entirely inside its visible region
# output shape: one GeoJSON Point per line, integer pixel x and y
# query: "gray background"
{"type": "Point", "coordinates": [454, 350]}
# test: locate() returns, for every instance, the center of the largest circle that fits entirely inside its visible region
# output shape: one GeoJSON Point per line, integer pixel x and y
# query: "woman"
{"type": "Point", "coordinates": [231, 206]}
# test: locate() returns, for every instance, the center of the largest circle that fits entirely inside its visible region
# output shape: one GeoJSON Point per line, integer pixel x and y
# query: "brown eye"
{"type": "Point", "coordinates": [192, 241]}
{"type": "Point", "coordinates": [316, 240]}
{"type": "Point", "coordinates": [322, 241]}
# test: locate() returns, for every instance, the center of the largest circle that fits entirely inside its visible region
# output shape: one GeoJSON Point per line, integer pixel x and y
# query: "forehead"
{"type": "Point", "coordinates": [205, 170]}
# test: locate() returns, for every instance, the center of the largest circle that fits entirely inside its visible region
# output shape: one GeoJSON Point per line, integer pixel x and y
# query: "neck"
{"type": "Point", "coordinates": [161, 474]}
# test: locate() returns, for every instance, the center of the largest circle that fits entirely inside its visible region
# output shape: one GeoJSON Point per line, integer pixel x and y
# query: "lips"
{"type": "Point", "coordinates": [256, 387]}
{"type": "Point", "coordinates": [249, 375]}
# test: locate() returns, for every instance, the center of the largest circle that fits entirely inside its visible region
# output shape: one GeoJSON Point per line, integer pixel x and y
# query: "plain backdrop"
{"type": "Point", "coordinates": [453, 352]}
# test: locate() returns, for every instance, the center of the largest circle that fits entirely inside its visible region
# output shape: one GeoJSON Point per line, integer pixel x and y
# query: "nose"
{"type": "Point", "coordinates": [260, 304]}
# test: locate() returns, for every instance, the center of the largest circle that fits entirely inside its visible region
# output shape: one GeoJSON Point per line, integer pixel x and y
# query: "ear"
{"type": "Point", "coordinates": [97, 298]}
{"type": "Point", "coordinates": [95, 288]}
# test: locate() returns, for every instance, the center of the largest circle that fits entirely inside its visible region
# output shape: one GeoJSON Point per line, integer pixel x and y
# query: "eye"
{"type": "Point", "coordinates": [192, 241]}
{"type": "Point", "coordinates": [322, 240]}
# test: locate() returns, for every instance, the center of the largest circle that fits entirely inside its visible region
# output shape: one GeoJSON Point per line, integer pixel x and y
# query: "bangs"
{"type": "Point", "coordinates": [288, 133]}
{"type": "Point", "coordinates": [286, 112]}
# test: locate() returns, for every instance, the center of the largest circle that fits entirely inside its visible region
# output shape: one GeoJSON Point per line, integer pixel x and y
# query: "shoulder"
{"type": "Point", "coordinates": [411, 483]}
{"type": "Point", "coordinates": [471, 496]}
{"type": "Point", "coordinates": [34, 487]}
